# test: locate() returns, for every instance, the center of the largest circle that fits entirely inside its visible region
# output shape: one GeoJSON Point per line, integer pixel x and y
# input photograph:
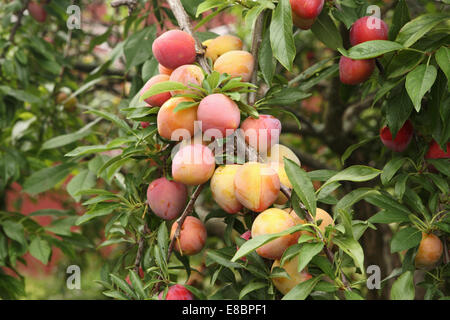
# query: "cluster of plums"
{"type": "Point", "coordinates": [252, 185]}
{"type": "Point", "coordinates": [404, 137]}
{"type": "Point", "coordinates": [367, 28]}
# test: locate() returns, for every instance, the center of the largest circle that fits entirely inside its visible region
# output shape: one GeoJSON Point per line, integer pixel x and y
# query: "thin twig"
{"type": "Point", "coordinates": [131, 4]}
{"type": "Point", "coordinates": [379, 66]}
{"type": "Point", "coordinates": [137, 261]}
{"type": "Point", "coordinates": [187, 211]}
{"type": "Point", "coordinates": [15, 28]}
{"type": "Point", "coordinates": [256, 43]}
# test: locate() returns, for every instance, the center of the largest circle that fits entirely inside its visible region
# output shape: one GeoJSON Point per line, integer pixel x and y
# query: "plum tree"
{"type": "Point", "coordinates": [192, 236]}
{"type": "Point", "coordinates": [256, 186]}
{"type": "Point", "coordinates": [174, 48]}
{"type": "Point", "coordinates": [166, 198]}
{"type": "Point", "coordinates": [402, 139]}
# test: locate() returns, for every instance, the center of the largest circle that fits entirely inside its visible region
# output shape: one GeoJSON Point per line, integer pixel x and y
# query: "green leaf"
{"type": "Point", "coordinates": [403, 288]}
{"type": "Point", "coordinates": [208, 5]}
{"type": "Point", "coordinates": [400, 18]}
{"type": "Point", "coordinates": [442, 58]}
{"type": "Point", "coordinates": [284, 96]}
{"type": "Point", "coordinates": [138, 47]}
{"type": "Point", "coordinates": [40, 249]}
{"type": "Point", "coordinates": [352, 197]}
{"type": "Point", "coordinates": [113, 118]}
{"type": "Point", "coordinates": [351, 247]}
{"type": "Point", "coordinates": [185, 105]}
{"type": "Point", "coordinates": [355, 173]}
{"type": "Point", "coordinates": [325, 265]}
{"type": "Point", "coordinates": [47, 178]}
{"type": "Point", "coordinates": [15, 231]}
{"type": "Point", "coordinates": [100, 209]}
{"type": "Point", "coordinates": [385, 201]}
{"type": "Point", "coordinates": [281, 37]}
{"type": "Point", "coordinates": [82, 181]}
{"type": "Point", "coordinates": [371, 49]}
{"type": "Point", "coordinates": [137, 284]}
{"type": "Point", "coordinates": [441, 164]}
{"type": "Point", "coordinates": [149, 69]}
{"type": "Point", "coordinates": [221, 259]}
{"type": "Point", "coordinates": [391, 168]}
{"type": "Point", "coordinates": [163, 238]}
{"type": "Point", "coordinates": [355, 146]}
{"type": "Point", "coordinates": [66, 139]}
{"type": "Point", "coordinates": [418, 82]}
{"type": "Point", "coordinates": [352, 295]}
{"type": "Point", "coordinates": [161, 87]}
{"type": "Point", "coordinates": [324, 74]}
{"type": "Point", "coordinates": [326, 31]}
{"type": "Point", "coordinates": [398, 110]}
{"type": "Point", "coordinates": [321, 175]}
{"type": "Point", "coordinates": [265, 58]}
{"type": "Point", "coordinates": [403, 62]}
{"type": "Point", "coordinates": [405, 239]}
{"type": "Point", "coordinates": [256, 242]}
{"type": "Point", "coordinates": [302, 290]}
{"type": "Point", "coordinates": [80, 151]}
{"type": "Point", "coordinates": [302, 184]}
{"type": "Point", "coordinates": [417, 28]}
{"type": "Point", "coordinates": [252, 286]}
{"type": "Point", "coordinates": [123, 285]}
{"type": "Point", "coordinates": [385, 88]}
{"type": "Point", "coordinates": [307, 252]}
{"type": "Point", "coordinates": [20, 94]}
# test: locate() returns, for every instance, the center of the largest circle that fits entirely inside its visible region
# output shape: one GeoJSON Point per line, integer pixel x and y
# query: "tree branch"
{"type": "Point", "coordinates": [137, 261]}
{"type": "Point", "coordinates": [256, 43]}
{"type": "Point", "coordinates": [131, 4]}
{"type": "Point", "coordinates": [185, 25]}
